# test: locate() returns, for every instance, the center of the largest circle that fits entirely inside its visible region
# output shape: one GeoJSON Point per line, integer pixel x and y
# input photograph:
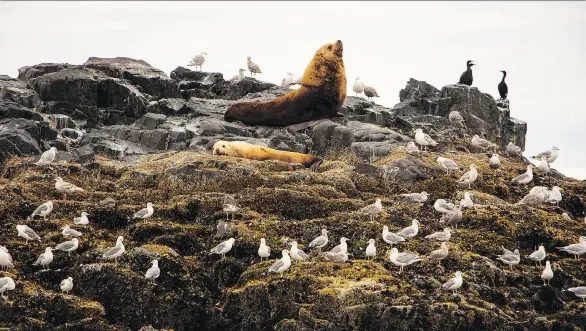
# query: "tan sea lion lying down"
{"type": "Point", "coordinates": [254, 152]}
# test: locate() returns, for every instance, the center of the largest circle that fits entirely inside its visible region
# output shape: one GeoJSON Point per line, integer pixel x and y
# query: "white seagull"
{"type": "Point", "coordinates": [372, 209]}
{"type": "Point", "coordinates": [416, 197]}
{"type": "Point", "coordinates": [391, 237]}
{"type": "Point", "coordinates": [282, 264]}
{"type": "Point", "coordinates": [68, 231]}
{"type": "Point", "coordinates": [153, 272]}
{"type": "Point", "coordinates": [320, 241]}
{"type": "Point", "coordinates": [510, 258]}
{"type": "Point", "coordinates": [46, 258]}
{"type": "Point", "coordinates": [358, 86]}
{"type": "Point", "coordinates": [64, 187]}
{"type": "Point", "coordinates": [5, 259]}
{"type": "Point", "coordinates": [424, 139]}
{"type": "Point", "coordinates": [524, 178]}
{"type": "Point", "coordinates": [68, 246]}
{"type": "Point", "coordinates": [575, 249]}
{"type": "Point", "coordinates": [547, 273]}
{"type": "Point", "coordinates": [454, 283]}
{"type": "Point", "coordinates": [494, 162]}
{"type": "Point", "coordinates": [144, 213]}
{"type": "Point", "coordinates": [580, 291]}
{"type": "Point", "coordinates": [443, 206]}
{"type": "Point", "coordinates": [551, 154]}
{"type": "Point", "coordinates": [264, 251]}
{"type": "Point", "coordinates": [370, 249]}
{"type": "Point", "coordinates": [47, 157]}
{"type": "Point", "coordinates": [447, 164]}
{"type": "Point", "coordinates": [43, 210]}
{"type": "Point", "coordinates": [538, 255]}
{"type": "Point", "coordinates": [470, 176]}
{"type": "Point", "coordinates": [27, 233]}
{"type": "Point", "coordinates": [223, 247]}
{"type": "Point", "coordinates": [402, 259]}
{"type": "Point", "coordinates": [67, 285]}
{"type": "Point", "coordinates": [297, 254]}
{"type": "Point", "coordinates": [467, 201]}
{"type": "Point", "coordinates": [116, 251]}
{"type": "Point", "coordinates": [441, 236]}
{"type": "Point", "coordinates": [6, 284]}
{"type": "Point", "coordinates": [82, 220]}
{"type": "Point", "coordinates": [198, 60]}
{"type": "Point", "coordinates": [410, 231]}
{"type": "Point", "coordinates": [543, 166]}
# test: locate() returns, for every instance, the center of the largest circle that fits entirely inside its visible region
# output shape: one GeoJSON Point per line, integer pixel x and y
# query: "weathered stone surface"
{"type": "Point", "coordinates": [9, 109]}
{"type": "Point", "coordinates": [60, 121]}
{"type": "Point", "coordinates": [150, 121]}
{"type": "Point", "coordinates": [18, 91]}
{"type": "Point", "coordinates": [151, 81]}
{"type": "Point", "coordinates": [30, 72]}
{"type": "Point", "coordinates": [18, 137]}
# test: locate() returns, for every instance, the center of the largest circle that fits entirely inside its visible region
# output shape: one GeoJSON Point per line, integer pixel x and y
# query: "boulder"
{"type": "Point", "coordinates": [152, 81]}
{"type": "Point", "coordinates": [9, 109]}
{"type": "Point", "coordinates": [18, 91]}
{"type": "Point", "coordinates": [30, 72]}
{"type": "Point", "coordinates": [18, 137]}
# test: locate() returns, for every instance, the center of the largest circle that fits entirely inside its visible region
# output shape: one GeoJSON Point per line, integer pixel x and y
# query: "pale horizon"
{"type": "Point", "coordinates": [540, 45]}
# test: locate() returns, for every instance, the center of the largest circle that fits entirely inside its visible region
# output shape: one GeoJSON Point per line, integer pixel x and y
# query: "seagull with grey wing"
{"type": "Point", "coordinates": [153, 272]}
{"type": "Point", "coordinates": [481, 143]}
{"type": "Point", "coordinates": [551, 154]}
{"type": "Point", "coordinates": [47, 157]}
{"type": "Point", "coordinates": [43, 210]}
{"type": "Point", "coordinates": [223, 247]}
{"type": "Point", "coordinates": [338, 257]}
{"type": "Point", "coordinates": [391, 237]}
{"type": "Point", "coordinates": [264, 251]}
{"type": "Point", "coordinates": [281, 265]}
{"type": "Point", "coordinates": [454, 283]}
{"type": "Point", "coordinates": [575, 249]}
{"type": "Point", "coordinates": [68, 231]}
{"type": "Point", "coordinates": [470, 176]}
{"type": "Point", "coordinates": [230, 206]}
{"type": "Point", "coordinates": [539, 255]}
{"type": "Point", "coordinates": [439, 254]}
{"type": "Point", "coordinates": [579, 291]}
{"type": "Point", "coordinates": [524, 178]}
{"type": "Point", "coordinates": [410, 231]}
{"type": "Point", "coordinates": [198, 61]}
{"type": "Point", "coordinates": [424, 139]}
{"type": "Point", "coordinates": [64, 187]}
{"type": "Point", "coordinates": [297, 254]}
{"type": "Point", "coordinates": [453, 217]}
{"type": "Point", "coordinates": [443, 206]}
{"type": "Point", "coordinates": [82, 220]}
{"type": "Point", "coordinates": [116, 251]}
{"type": "Point", "coordinates": [510, 258]}
{"type": "Point", "coordinates": [5, 259]}
{"type": "Point", "coordinates": [144, 213]}
{"type": "Point", "coordinates": [402, 259]}
{"type": "Point", "coordinates": [68, 246]}
{"type": "Point", "coordinates": [416, 197]}
{"type": "Point", "coordinates": [6, 284]}
{"type": "Point", "coordinates": [27, 233]}
{"type": "Point", "coordinates": [467, 201]}
{"type": "Point", "coordinates": [513, 150]}
{"type": "Point", "coordinates": [372, 210]}
{"type": "Point", "coordinates": [536, 196]}
{"type": "Point", "coordinates": [441, 236]}
{"type": "Point", "coordinates": [320, 241]}
{"type": "Point", "coordinates": [46, 258]}
{"type": "Point", "coordinates": [447, 164]}
{"type": "Point", "coordinates": [543, 166]}
{"type": "Point", "coordinates": [341, 248]}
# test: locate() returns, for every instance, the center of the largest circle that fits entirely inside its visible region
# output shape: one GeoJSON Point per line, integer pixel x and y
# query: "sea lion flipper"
{"type": "Point", "coordinates": [314, 167]}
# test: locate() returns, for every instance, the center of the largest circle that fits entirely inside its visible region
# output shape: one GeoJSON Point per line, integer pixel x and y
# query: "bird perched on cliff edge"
{"type": "Point", "coordinates": [370, 92]}
{"type": "Point", "coordinates": [253, 68]}
{"type": "Point", "coordinates": [424, 139]}
{"type": "Point", "coordinates": [238, 77]}
{"type": "Point", "coordinates": [551, 154]}
{"type": "Point", "coordinates": [466, 77]}
{"type": "Point", "coordinates": [198, 60]}
{"type": "Point", "coordinates": [503, 88]}
{"type": "Point", "coordinates": [358, 86]}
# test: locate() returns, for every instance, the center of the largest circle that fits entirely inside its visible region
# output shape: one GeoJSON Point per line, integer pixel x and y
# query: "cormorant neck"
{"type": "Point", "coordinates": [504, 75]}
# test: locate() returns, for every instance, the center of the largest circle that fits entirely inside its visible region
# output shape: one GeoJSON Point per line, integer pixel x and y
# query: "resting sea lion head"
{"type": "Point", "coordinates": [220, 147]}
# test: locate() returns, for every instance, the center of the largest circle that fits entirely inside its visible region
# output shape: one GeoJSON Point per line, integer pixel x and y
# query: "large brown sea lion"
{"type": "Point", "coordinates": [322, 93]}
{"type": "Point", "coordinates": [260, 153]}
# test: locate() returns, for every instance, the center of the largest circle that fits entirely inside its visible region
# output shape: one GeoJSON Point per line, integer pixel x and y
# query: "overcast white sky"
{"type": "Point", "coordinates": [542, 46]}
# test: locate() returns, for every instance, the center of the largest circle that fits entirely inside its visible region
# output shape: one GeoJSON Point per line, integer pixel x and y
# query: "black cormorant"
{"type": "Point", "coordinates": [466, 77]}
{"type": "Point", "coordinates": [503, 88]}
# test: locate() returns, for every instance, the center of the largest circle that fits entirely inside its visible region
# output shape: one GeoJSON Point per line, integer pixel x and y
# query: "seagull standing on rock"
{"type": "Point", "coordinates": [144, 213]}
{"type": "Point", "coordinates": [230, 206]}
{"type": "Point", "coordinates": [510, 258]}
{"type": "Point", "coordinates": [223, 248]}
{"type": "Point", "coordinates": [447, 164]}
{"type": "Point", "coordinates": [43, 210]}
{"type": "Point", "coordinates": [358, 86]}
{"type": "Point", "coordinates": [253, 67]}
{"type": "Point", "coordinates": [67, 285]}
{"type": "Point", "coordinates": [470, 176]}
{"type": "Point", "coordinates": [68, 246]}
{"type": "Point", "coordinates": [282, 264]}
{"type": "Point", "coordinates": [5, 259]}
{"type": "Point", "coordinates": [439, 254]}
{"type": "Point", "coordinates": [543, 166]}
{"type": "Point", "coordinates": [370, 92]}
{"type": "Point", "coordinates": [391, 237]}
{"type": "Point", "coordinates": [264, 251]}
{"type": "Point", "coordinates": [27, 233]}
{"type": "Point", "coordinates": [46, 258]}
{"type": "Point", "coordinates": [410, 231]}
{"type": "Point", "coordinates": [513, 150]}
{"type": "Point", "coordinates": [320, 241]}
{"type": "Point", "coordinates": [575, 249]}
{"type": "Point", "coordinates": [580, 292]}
{"type": "Point", "coordinates": [372, 209]}
{"type": "Point", "coordinates": [341, 248]}
{"type": "Point", "coordinates": [116, 251]}
{"type": "Point", "coordinates": [402, 259]}
{"type": "Point", "coordinates": [64, 187]}
{"type": "Point", "coordinates": [370, 249]}
{"type": "Point", "coordinates": [198, 61]}
{"type": "Point", "coordinates": [453, 217]}
{"type": "Point", "coordinates": [297, 254]}
{"type": "Point", "coordinates": [539, 255]}
{"type": "Point", "coordinates": [454, 284]}
{"type": "Point", "coordinates": [456, 118]}
{"type": "Point", "coordinates": [153, 272]}
{"type": "Point", "coordinates": [547, 273]}
{"type": "Point", "coordinates": [524, 178]}
{"type": "Point", "coordinates": [481, 143]}
{"type": "Point", "coordinates": [48, 157]}
{"type": "Point", "coordinates": [238, 77]}
{"type": "Point", "coordinates": [424, 139]}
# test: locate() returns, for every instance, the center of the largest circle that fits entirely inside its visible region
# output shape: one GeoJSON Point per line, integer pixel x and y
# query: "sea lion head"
{"type": "Point", "coordinates": [220, 147]}
{"type": "Point", "coordinates": [326, 68]}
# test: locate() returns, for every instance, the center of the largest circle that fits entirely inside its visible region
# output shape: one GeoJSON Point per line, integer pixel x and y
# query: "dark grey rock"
{"type": "Point", "coordinates": [30, 72]}
{"type": "Point", "coordinates": [9, 109]}
{"type": "Point", "coordinates": [18, 91]}
{"type": "Point", "coordinates": [60, 121]}
{"type": "Point", "coordinates": [150, 121]}
{"type": "Point", "coordinates": [16, 138]}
